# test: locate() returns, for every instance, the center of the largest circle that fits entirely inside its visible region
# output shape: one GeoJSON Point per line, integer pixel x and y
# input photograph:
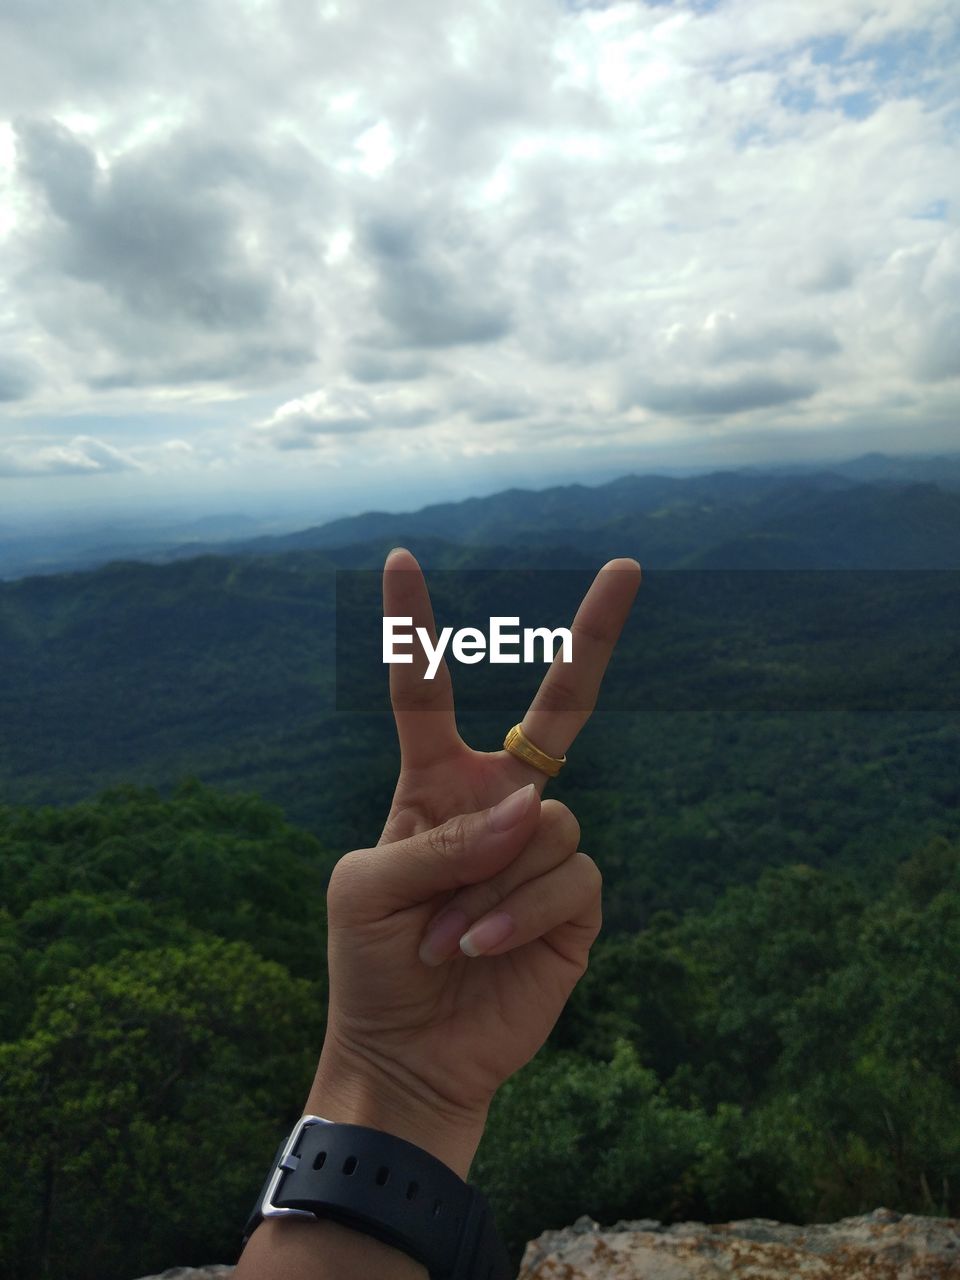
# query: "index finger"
{"type": "Point", "coordinates": [423, 709]}
{"type": "Point", "coordinates": [568, 692]}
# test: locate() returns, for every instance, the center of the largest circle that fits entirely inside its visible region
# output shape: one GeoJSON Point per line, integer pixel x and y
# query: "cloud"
{"type": "Point", "coordinates": [431, 287]}
{"type": "Point", "coordinates": [912, 303]}
{"type": "Point", "coordinates": [705, 399]}
{"type": "Point", "coordinates": [149, 264]}
{"type": "Point", "coordinates": [367, 365]}
{"type": "Point", "coordinates": [484, 401]}
{"type": "Point", "coordinates": [449, 230]}
{"type": "Point", "coordinates": [83, 455]}
{"type": "Point", "coordinates": [726, 337]}
{"type": "Point", "coordinates": [17, 378]}
{"type": "Point", "coordinates": [140, 232]}
{"type": "Point", "coordinates": [833, 272]}
{"type": "Point", "coordinates": [729, 338]}
{"type": "Point", "coordinates": [311, 421]}
{"type": "Point", "coordinates": [256, 360]}
{"type": "Point", "coordinates": [937, 355]}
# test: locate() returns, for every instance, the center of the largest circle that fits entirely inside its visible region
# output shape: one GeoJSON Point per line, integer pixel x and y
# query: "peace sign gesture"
{"type": "Point", "coordinates": [414, 1044]}
{"type": "Point", "coordinates": [440, 776]}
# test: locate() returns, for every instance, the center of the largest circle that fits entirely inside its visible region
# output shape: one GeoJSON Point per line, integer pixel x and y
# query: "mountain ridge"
{"type": "Point", "coordinates": [725, 502]}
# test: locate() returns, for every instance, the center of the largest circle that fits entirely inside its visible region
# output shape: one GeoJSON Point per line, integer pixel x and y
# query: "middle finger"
{"type": "Point", "coordinates": [568, 692]}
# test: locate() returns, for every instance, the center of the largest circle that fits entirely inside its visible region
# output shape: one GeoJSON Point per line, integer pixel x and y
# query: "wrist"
{"type": "Point", "coordinates": [350, 1092]}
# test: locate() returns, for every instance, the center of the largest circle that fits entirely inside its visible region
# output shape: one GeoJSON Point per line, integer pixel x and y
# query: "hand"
{"type": "Point", "coordinates": [421, 1046]}
{"type": "Point", "coordinates": [428, 1044]}
{"type": "Point", "coordinates": [441, 776]}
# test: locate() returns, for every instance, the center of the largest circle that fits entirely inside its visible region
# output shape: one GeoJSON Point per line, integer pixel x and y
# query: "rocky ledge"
{"type": "Point", "coordinates": [882, 1245]}
{"type": "Point", "coordinates": [214, 1272]}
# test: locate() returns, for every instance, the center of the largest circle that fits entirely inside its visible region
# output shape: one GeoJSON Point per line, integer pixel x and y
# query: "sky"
{"type": "Point", "coordinates": [372, 254]}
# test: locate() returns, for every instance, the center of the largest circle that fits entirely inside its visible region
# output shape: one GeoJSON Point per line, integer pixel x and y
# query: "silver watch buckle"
{"type": "Point", "coordinates": [287, 1163]}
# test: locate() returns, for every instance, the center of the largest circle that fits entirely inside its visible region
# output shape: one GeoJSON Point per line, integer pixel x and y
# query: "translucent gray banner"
{"type": "Point", "coordinates": [753, 641]}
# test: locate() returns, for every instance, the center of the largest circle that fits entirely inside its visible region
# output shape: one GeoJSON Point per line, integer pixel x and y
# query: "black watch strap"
{"type": "Point", "coordinates": [387, 1188]}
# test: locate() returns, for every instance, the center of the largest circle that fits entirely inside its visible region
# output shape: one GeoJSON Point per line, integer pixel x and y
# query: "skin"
{"type": "Point", "coordinates": [438, 1041]}
{"type": "Point", "coordinates": [440, 776]}
{"type": "Point", "coordinates": [417, 1049]}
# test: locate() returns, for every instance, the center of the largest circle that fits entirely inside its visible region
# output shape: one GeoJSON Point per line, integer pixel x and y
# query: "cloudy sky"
{"type": "Point", "coordinates": [387, 251]}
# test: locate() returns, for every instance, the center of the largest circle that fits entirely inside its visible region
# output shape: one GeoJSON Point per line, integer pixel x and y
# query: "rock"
{"type": "Point", "coordinates": [213, 1272]}
{"type": "Point", "coordinates": [882, 1245]}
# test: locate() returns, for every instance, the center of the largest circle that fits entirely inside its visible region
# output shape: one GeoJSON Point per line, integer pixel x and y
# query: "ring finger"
{"type": "Point", "coordinates": [554, 842]}
{"type": "Point", "coordinates": [568, 896]}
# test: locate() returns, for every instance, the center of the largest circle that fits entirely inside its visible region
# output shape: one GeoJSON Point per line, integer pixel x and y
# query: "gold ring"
{"type": "Point", "coordinates": [519, 745]}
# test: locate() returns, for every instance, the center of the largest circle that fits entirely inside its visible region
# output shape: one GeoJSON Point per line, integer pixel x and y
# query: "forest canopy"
{"type": "Point", "coordinates": [790, 1052]}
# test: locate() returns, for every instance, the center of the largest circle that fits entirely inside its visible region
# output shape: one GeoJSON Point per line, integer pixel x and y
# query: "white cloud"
{"type": "Point", "coordinates": [80, 456]}
{"type": "Point", "coordinates": [474, 228]}
{"type": "Point", "coordinates": [312, 420]}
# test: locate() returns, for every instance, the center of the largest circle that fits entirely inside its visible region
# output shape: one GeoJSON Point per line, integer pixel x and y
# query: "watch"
{"type": "Point", "coordinates": [388, 1188]}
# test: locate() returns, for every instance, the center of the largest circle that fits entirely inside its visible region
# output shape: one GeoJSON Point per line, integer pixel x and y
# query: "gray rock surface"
{"type": "Point", "coordinates": [882, 1245]}
{"type": "Point", "coordinates": [213, 1272]}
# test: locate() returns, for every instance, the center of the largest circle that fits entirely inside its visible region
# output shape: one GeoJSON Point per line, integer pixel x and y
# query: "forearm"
{"type": "Point", "coordinates": [323, 1250]}
{"type": "Point", "coordinates": [328, 1250]}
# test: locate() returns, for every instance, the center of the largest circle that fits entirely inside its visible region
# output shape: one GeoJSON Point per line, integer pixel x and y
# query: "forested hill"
{"type": "Point", "coordinates": [772, 716]}
{"type": "Point", "coordinates": [769, 785]}
{"type": "Point", "coordinates": [836, 516]}
{"type": "Point", "coordinates": [728, 519]}
{"type": "Point", "coordinates": [789, 1054]}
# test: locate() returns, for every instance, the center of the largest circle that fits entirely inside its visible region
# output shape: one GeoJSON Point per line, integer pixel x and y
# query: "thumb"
{"type": "Point", "coordinates": [462, 851]}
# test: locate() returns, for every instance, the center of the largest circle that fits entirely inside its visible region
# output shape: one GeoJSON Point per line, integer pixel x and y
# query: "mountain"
{"type": "Point", "coordinates": [672, 516]}
{"type": "Point", "coordinates": [769, 784]}
{"type": "Point", "coordinates": [749, 517]}
{"type": "Point", "coordinates": [262, 671]}
{"type": "Point", "coordinates": [722, 702]}
{"type": "Point", "coordinates": [67, 547]}
{"type": "Point", "coordinates": [865, 527]}
{"type": "Point", "coordinates": [729, 520]}
{"type": "Point", "coordinates": [879, 468]}
{"type": "Point", "coordinates": [875, 468]}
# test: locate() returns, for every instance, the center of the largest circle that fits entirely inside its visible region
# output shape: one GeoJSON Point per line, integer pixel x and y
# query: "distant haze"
{"type": "Point", "coordinates": [920, 490]}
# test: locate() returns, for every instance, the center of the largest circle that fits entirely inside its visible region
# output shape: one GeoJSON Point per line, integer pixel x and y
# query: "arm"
{"type": "Point", "coordinates": [324, 1250]}
{"type": "Point", "coordinates": [423, 1027]}
{"type": "Point", "coordinates": [419, 1039]}
{"type": "Point", "coordinates": [328, 1250]}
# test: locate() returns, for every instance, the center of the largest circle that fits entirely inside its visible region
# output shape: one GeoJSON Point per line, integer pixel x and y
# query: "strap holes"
{"type": "Point", "coordinates": [383, 1174]}
{"type": "Point", "coordinates": [319, 1159]}
{"type": "Point", "coordinates": [349, 1165]}
{"type": "Point", "coordinates": [437, 1206]}
{"type": "Point", "coordinates": [412, 1190]}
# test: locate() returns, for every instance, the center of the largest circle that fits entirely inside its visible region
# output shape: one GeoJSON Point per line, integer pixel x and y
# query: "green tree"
{"type": "Point", "coordinates": [142, 1104]}
{"type": "Point", "coordinates": [568, 1136]}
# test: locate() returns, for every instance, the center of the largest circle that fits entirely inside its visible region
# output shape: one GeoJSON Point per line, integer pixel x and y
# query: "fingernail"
{"type": "Point", "coordinates": [487, 934]}
{"type": "Point", "coordinates": [509, 812]}
{"type": "Point", "coordinates": [439, 942]}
